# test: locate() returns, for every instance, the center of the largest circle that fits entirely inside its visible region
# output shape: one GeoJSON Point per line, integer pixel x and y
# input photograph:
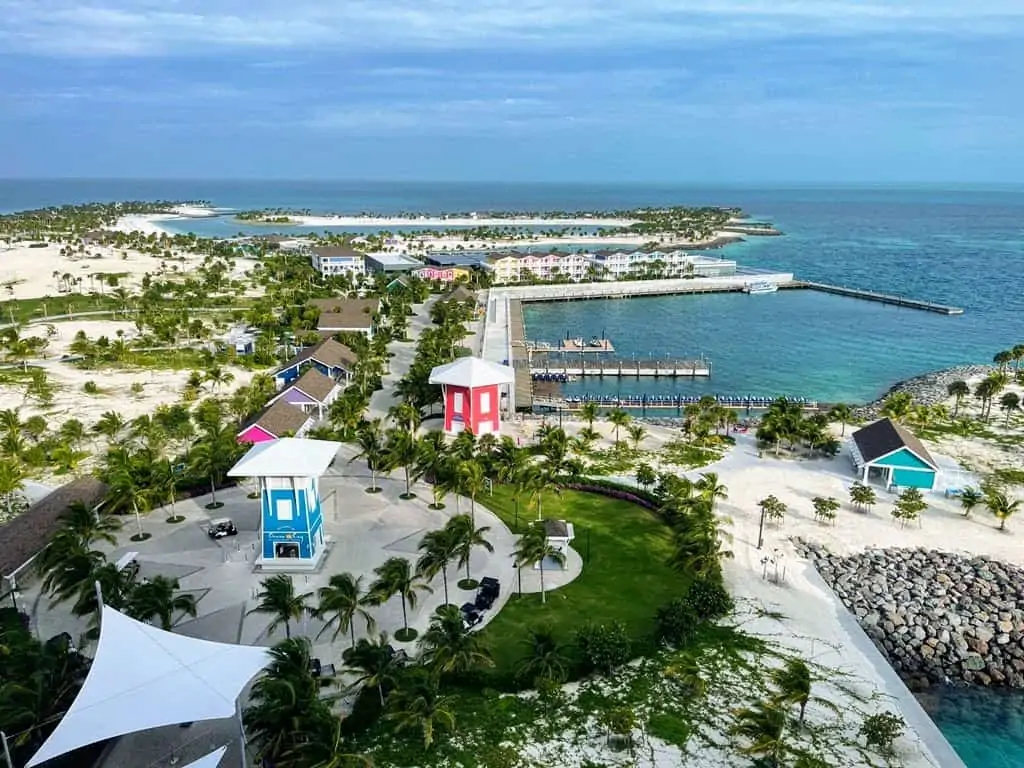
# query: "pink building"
{"type": "Point", "coordinates": [472, 392]}
{"type": "Point", "coordinates": [279, 419]}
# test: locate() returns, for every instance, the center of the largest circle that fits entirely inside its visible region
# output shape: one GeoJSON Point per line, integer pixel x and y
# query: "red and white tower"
{"type": "Point", "coordinates": [472, 391]}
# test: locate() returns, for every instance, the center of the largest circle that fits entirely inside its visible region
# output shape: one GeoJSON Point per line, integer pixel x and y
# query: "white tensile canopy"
{"type": "Point", "coordinates": [211, 760]}
{"type": "Point", "coordinates": [286, 457]}
{"type": "Point", "coordinates": [143, 677]}
{"type": "Point", "coordinates": [472, 372]}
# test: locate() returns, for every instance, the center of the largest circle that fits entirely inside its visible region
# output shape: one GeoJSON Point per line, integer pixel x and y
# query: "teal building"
{"type": "Point", "coordinates": [887, 452]}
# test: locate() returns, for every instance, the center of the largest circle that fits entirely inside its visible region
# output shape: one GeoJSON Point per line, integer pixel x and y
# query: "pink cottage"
{"type": "Point", "coordinates": [472, 394]}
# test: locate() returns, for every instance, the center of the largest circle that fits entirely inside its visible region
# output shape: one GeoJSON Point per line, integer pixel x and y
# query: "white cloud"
{"type": "Point", "coordinates": [151, 27]}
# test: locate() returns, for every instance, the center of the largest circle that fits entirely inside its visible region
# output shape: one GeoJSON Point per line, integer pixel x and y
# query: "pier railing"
{"type": "Point", "coordinates": [624, 368]}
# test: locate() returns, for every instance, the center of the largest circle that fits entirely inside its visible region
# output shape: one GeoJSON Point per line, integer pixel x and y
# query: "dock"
{"type": "Point", "coordinates": [881, 298]}
{"type": "Point", "coordinates": [574, 346]}
{"type": "Point", "coordinates": [623, 368]}
{"type": "Point", "coordinates": [667, 402]}
{"type": "Point", "coordinates": [520, 361]}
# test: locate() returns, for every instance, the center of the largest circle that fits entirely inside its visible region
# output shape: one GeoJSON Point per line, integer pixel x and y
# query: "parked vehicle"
{"type": "Point", "coordinates": [220, 528]}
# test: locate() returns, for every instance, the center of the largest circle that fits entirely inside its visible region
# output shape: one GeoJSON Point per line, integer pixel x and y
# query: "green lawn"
{"type": "Point", "coordinates": [624, 577]}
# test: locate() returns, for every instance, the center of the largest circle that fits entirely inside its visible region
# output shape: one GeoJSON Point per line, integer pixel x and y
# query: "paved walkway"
{"type": "Point", "coordinates": [384, 398]}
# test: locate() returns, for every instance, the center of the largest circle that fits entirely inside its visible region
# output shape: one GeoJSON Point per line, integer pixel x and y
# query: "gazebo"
{"type": "Point", "coordinates": [288, 472]}
{"type": "Point", "coordinates": [143, 677]}
{"type": "Point", "coordinates": [472, 390]}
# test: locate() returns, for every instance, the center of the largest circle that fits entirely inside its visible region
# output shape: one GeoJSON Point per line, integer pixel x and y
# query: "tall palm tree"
{"type": "Point", "coordinates": [341, 602]}
{"type": "Point", "coordinates": [372, 662]}
{"type": "Point", "coordinates": [794, 683]}
{"type": "Point", "coordinates": [589, 412]}
{"type": "Point", "coordinates": [213, 454]}
{"type": "Point", "coordinates": [419, 704]}
{"type": "Point", "coordinates": [125, 487]}
{"type": "Point", "coordinates": [158, 598]}
{"type": "Point", "coordinates": [449, 647]}
{"type": "Point", "coordinates": [533, 547]}
{"type": "Point", "coordinates": [439, 548]}
{"type": "Point", "coordinates": [467, 537]}
{"type": "Point", "coordinates": [536, 481]}
{"type": "Point", "coordinates": [1009, 403]}
{"type": "Point", "coordinates": [619, 418]}
{"type": "Point", "coordinates": [432, 463]}
{"type": "Point", "coordinates": [279, 600]}
{"type": "Point", "coordinates": [636, 433]}
{"type": "Point", "coordinates": [763, 725]}
{"type": "Point", "coordinates": [66, 564]}
{"type": "Point", "coordinates": [395, 576]}
{"type": "Point", "coordinates": [958, 390]}
{"type": "Point", "coordinates": [471, 481]}
{"type": "Point", "coordinates": [371, 448]}
{"type": "Point", "coordinates": [12, 480]}
{"type": "Point", "coordinates": [711, 489]}
{"type": "Point", "coordinates": [407, 416]}
{"type": "Point", "coordinates": [842, 413]}
{"type": "Point", "coordinates": [545, 658]}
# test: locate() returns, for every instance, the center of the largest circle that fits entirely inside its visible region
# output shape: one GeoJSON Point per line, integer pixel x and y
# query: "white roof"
{"type": "Point", "coordinates": [472, 372]}
{"type": "Point", "coordinates": [286, 457]}
{"type": "Point", "coordinates": [212, 760]}
{"type": "Point", "coordinates": [143, 677]}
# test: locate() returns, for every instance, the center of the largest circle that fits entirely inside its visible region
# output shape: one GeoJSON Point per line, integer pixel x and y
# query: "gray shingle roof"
{"type": "Point", "coordinates": [885, 436]}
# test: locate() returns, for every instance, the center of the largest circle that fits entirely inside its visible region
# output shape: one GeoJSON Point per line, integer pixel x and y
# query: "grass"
{"type": "Point", "coordinates": [625, 576]}
{"type": "Point", "coordinates": [690, 455]}
{"type": "Point", "coordinates": [23, 310]}
{"type": "Point", "coordinates": [1009, 476]}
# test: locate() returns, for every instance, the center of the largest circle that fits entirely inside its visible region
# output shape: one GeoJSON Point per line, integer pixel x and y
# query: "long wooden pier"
{"type": "Point", "coordinates": [624, 368]}
{"type": "Point", "coordinates": [881, 298]}
{"type": "Point", "coordinates": [666, 402]}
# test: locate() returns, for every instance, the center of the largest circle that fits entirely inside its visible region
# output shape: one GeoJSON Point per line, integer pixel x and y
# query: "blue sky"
{"type": "Point", "coordinates": [574, 90]}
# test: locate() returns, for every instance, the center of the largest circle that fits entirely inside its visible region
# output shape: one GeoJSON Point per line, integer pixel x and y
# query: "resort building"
{"type": "Point", "coordinates": [472, 392]}
{"type": "Point", "coordinates": [887, 451]}
{"type": "Point", "coordinates": [277, 420]}
{"type": "Point", "coordinates": [388, 263]}
{"type": "Point", "coordinates": [288, 473]}
{"type": "Point", "coordinates": [337, 260]}
{"type": "Point", "coordinates": [313, 392]}
{"type": "Point", "coordinates": [353, 315]}
{"type": "Point", "coordinates": [331, 358]}
{"type": "Point", "coordinates": [442, 274]}
{"type": "Point", "coordinates": [515, 267]}
{"type": "Point", "coordinates": [518, 266]}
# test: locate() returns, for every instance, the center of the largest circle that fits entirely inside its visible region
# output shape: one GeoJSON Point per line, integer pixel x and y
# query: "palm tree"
{"type": "Point", "coordinates": [1009, 403]}
{"type": "Point", "coordinates": [126, 488]}
{"type": "Point", "coordinates": [218, 377]}
{"type": "Point", "coordinates": [467, 537]}
{"type": "Point", "coordinates": [418, 704]}
{"type": "Point", "coordinates": [213, 454]}
{"type": "Point", "coordinates": [158, 598]}
{"type": "Point", "coordinates": [619, 418]}
{"type": "Point", "coordinates": [341, 602]}
{"type": "Point", "coordinates": [395, 576]}
{"type": "Point", "coordinates": [371, 447]}
{"type": "Point", "coordinates": [401, 450]}
{"type": "Point", "coordinates": [1002, 359]}
{"type": "Point", "coordinates": [969, 499]}
{"type": "Point", "coordinates": [534, 547]}
{"type": "Point", "coordinates": [763, 726]}
{"type": "Point", "coordinates": [958, 390]}
{"type": "Point", "coordinates": [637, 433]}
{"type": "Point", "coordinates": [279, 600]}
{"type": "Point", "coordinates": [472, 481]}
{"type": "Point", "coordinates": [862, 496]}
{"type": "Point", "coordinates": [588, 412]}
{"type": "Point", "coordinates": [407, 416]}
{"type": "Point", "coordinates": [545, 660]}
{"type": "Point", "coordinates": [372, 662]}
{"type": "Point", "coordinates": [1000, 505]}
{"type": "Point", "coordinates": [536, 481]}
{"type": "Point", "coordinates": [449, 647]}
{"type": "Point", "coordinates": [710, 488]}
{"type": "Point", "coordinates": [842, 413]}
{"type": "Point", "coordinates": [439, 548]}
{"type": "Point", "coordinates": [897, 406]}
{"type": "Point", "coordinates": [432, 463]}
{"type": "Point", "coordinates": [794, 684]}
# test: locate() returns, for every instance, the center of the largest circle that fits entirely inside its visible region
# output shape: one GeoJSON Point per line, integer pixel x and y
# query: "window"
{"type": "Point", "coordinates": [457, 402]}
{"type": "Point", "coordinates": [283, 508]}
{"type": "Point", "coordinates": [485, 402]}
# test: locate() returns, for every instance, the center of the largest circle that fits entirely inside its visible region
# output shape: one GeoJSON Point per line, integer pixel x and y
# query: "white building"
{"type": "Point", "coordinates": [336, 260]}
{"type": "Point", "coordinates": [516, 267]}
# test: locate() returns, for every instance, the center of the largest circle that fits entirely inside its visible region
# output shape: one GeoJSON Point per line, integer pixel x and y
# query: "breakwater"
{"type": "Point", "coordinates": [937, 617]}
{"type": "Point", "coordinates": [926, 389]}
{"type": "Point", "coordinates": [881, 298]}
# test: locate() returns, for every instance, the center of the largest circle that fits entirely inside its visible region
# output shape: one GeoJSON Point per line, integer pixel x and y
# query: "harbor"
{"type": "Point", "coordinates": [566, 371]}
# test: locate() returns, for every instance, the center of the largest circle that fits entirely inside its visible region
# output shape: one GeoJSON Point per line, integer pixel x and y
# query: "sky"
{"type": "Point", "coordinates": [733, 91]}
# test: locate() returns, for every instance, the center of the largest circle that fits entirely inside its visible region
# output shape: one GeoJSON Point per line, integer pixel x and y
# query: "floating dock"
{"type": "Point", "coordinates": [573, 346]}
{"type": "Point", "coordinates": [667, 402]}
{"type": "Point", "coordinates": [624, 368]}
{"type": "Point", "coordinates": [881, 298]}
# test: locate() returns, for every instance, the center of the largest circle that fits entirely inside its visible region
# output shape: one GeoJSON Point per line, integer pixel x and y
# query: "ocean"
{"type": "Point", "coordinates": [963, 247]}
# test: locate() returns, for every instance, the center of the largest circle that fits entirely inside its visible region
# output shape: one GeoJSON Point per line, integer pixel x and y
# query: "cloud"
{"type": "Point", "coordinates": [110, 28]}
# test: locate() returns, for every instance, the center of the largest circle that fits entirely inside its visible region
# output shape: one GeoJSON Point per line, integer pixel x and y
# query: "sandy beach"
{"type": "Point", "coordinates": [453, 221]}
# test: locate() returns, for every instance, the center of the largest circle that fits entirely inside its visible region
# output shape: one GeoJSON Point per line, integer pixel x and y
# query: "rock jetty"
{"type": "Point", "coordinates": [927, 389]}
{"type": "Point", "coordinates": [936, 616]}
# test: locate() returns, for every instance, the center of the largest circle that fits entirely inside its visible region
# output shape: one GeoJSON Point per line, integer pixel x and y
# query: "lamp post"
{"type": "Point", "coordinates": [760, 530]}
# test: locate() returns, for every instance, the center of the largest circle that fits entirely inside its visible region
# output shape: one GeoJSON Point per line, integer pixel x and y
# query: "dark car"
{"type": "Point", "coordinates": [471, 615]}
{"type": "Point", "coordinates": [220, 528]}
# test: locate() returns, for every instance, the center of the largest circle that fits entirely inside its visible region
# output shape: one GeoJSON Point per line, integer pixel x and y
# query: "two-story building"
{"type": "Point", "coordinates": [337, 260]}
{"type": "Point", "coordinates": [344, 314]}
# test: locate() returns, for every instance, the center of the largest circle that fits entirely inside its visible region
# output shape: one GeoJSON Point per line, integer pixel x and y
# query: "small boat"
{"type": "Point", "coordinates": [760, 287]}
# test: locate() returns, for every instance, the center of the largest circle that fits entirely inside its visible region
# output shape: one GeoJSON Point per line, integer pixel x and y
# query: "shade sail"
{"type": "Point", "coordinates": [143, 677]}
{"type": "Point", "coordinates": [472, 372]}
{"type": "Point", "coordinates": [286, 457]}
{"type": "Point", "coordinates": [212, 760]}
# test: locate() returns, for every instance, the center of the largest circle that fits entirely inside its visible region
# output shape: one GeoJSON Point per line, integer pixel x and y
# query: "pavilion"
{"type": "Point", "coordinates": [143, 677]}
{"type": "Point", "coordinates": [888, 450]}
{"type": "Point", "coordinates": [472, 391]}
{"type": "Point", "coordinates": [287, 472]}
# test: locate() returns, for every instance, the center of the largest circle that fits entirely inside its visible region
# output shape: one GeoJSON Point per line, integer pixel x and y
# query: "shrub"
{"type": "Point", "coordinates": [881, 730]}
{"type": "Point", "coordinates": [90, 388]}
{"type": "Point", "coordinates": [604, 646]}
{"type": "Point", "coordinates": [709, 599]}
{"type": "Point", "coordinates": [676, 621]}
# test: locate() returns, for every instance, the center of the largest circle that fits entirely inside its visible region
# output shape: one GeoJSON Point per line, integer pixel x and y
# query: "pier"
{"type": "Point", "coordinates": [881, 298]}
{"type": "Point", "coordinates": [668, 402]}
{"type": "Point", "coordinates": [623, 368]}
{"type": "Point", "coordinates": [520, 356]}
{"type": "Point", "coordinates": [575, 346]}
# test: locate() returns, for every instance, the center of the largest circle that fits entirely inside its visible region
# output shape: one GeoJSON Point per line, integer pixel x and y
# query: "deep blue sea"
{"type": "Point", "coordinates": [955, 246]}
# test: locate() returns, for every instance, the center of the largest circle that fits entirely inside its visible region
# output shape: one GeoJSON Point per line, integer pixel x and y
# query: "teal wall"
{"type": "Point", "coordinates": [908, 478]}
{"type": "Point", "coordinates": [302, 528]}
{"type": "Point", "coordinates": [901, 458]}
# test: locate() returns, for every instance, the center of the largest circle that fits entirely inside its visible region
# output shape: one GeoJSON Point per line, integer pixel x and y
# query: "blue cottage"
{"type": "Point", "coordinates": [888, 451]}
{"type": "Point", "coordinates": [330, 357]}
{"type": "Point", "coordinates": [287, 472]}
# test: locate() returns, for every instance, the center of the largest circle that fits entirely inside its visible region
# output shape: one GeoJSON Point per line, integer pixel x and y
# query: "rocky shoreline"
{"type": "Point", "coordinates": [938, 617]}
{"type": "Point", "coordinates": [926, 389]}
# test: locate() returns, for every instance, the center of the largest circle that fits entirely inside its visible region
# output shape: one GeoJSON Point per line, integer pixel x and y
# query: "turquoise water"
{"type": "Point", "coordinates": [955, 246]}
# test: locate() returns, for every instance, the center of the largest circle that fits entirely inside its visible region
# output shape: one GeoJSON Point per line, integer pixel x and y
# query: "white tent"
{"type": "Point", "coordinates": [143, 677]}
{"type": "Point", "coordinates": [211, 760]}
{"type": "Point", "coordinates": [286, 457]}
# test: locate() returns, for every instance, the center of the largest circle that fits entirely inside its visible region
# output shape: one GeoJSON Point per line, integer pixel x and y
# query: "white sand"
{"type": "Point", "coordinates": [452, 221]}
{"type": "Point", "coordinates": [29, 271]}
